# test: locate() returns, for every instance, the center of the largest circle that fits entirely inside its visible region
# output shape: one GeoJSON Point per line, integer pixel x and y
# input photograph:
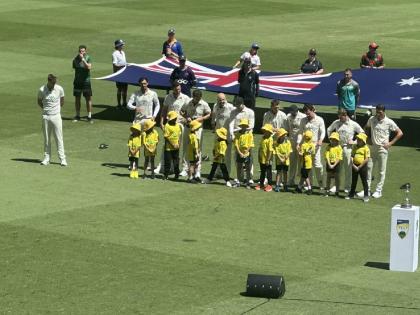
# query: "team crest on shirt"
{"type": "Point", "coordinates": [402, 228]}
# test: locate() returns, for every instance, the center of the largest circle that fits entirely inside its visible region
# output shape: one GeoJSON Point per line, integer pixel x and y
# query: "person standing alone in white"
{"type": "Point", "coordinates": [51, 99]}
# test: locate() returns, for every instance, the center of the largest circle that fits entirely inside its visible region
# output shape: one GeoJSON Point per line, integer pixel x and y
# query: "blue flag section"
{"type": "Point", "coordinates": [397, 89]}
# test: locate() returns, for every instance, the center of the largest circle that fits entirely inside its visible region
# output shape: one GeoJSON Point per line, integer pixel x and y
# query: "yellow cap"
{"type": "Point", "coordinates": [194, 125]}
{"type": "Point", "coordinates": [172, 115]}
{"type": "Point", "coordinates": [148, 124]}
{"type": "Point", "coordinates": [135, 127]}
{"type": "Point", "coordinates": [308, 134]}
{"type": "Point", "coordinates": [267, 127]}
{"type": "Point", "coordinates": [244, 122]}
{"type": "Point", "coordinates": [281, 132]}
{"type": "Point", "coordinates": [221, 133]}
{"type": "Point", "coordinates": [362, 136]}
{"type": "Point", "coordinates": [335, 136]}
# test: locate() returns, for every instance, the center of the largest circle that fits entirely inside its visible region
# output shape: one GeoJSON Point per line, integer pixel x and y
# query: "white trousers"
{"type": "Point", "coordinates": [53, 123]}
{"type": "Point", "coordinates": [295, 165]}
{"type": "Point", "coordinates": [346, 166]}
{"type": "Point", "coordinates": [319, 169]}
{"type": "Point", "coordinates": [377, 163]}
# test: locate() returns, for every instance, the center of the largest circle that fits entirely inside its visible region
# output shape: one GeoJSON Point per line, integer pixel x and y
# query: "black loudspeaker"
{"type": "Point", "coordinates": [271, 287]}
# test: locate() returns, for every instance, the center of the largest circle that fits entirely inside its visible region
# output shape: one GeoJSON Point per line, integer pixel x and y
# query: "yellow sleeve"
{"type": "Point", "coordinates": [367, 154]}
{"type": "Point", "coordinates": [251, 140]}
{"type": "Point", "coordinates": [340, 154]}
{"type": "Point", "coordinates": [327, 154]}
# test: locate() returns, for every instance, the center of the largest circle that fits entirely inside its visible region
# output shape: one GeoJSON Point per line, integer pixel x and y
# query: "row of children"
{"type": "Point", "coordinates": [273, 146]}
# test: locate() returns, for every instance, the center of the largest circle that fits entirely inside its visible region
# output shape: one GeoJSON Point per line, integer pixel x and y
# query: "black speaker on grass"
{"type": "Point", "coordinates": [271, 287]}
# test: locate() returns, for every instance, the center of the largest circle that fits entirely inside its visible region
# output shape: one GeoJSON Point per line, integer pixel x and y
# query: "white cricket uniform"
{"type": "Point", "coordinates": [277, 120]}
{"type": "Point", "coordinates": [51, 119]}
{"type": "Point", "coordinates": [146, 105]}
{"type": "Point", "coordinates": [380, 131]}
{"type": "Point", "coordinates": [317, 126]}
{"type": "Point", "coordinates": [292, 126]}
{"type": "Point", "coordinates": [255, 59]}
{"type": "Point", "coordinates": [193, 111]}
{"type": "Point", "coordinates": [346, 130]}
{"type": "Point", "coordinates": [172, 103]}
{"type": "Point", "coordinates": [118, 58]}
{"type": "Point", "coordinates": [220, 117]}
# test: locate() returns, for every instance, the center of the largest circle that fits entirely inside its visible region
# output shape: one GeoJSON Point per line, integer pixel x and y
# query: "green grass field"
{"type": "Point", "coordinates": [87, 240]}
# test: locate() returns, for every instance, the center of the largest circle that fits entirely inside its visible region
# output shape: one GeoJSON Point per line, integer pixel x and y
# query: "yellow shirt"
{"type": "Point", "coordinates": [360, 154]}
{"type": "Point", "coordinates": [134, 143]}
{"type": "Point", "coordinates": [307, 150]}
{"type": "Point", "coordinates": [150, 141]}
{"type": "Point", "coordinates": [283, 150]}
{"type": "Point", "coordinates": [172, 133]}
{"type": "Point", "coordinates": [193, 147]}
{"type": "Point", "coordinates": [219, 151]}
{"type": "Point", "coordinates": [244, 141]}
{"type": "Point", "coordinates": [265, 150]}
{"type": "Point", "coordinates": [334, 154]}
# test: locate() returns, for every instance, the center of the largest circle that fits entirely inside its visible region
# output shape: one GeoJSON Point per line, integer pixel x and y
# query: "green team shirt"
{"type": "Point", "coordinates": [81, 73]}
{"type": "Point", "coordinates": [347, 93]}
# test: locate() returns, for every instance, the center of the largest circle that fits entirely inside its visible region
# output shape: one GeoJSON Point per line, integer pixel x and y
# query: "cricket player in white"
{"type": "Point", "coordinates": [51, 99]}
{"type": "Point", "coordinates": [220, 117]}
{"type": "Point", "coordinates": [316, 124]}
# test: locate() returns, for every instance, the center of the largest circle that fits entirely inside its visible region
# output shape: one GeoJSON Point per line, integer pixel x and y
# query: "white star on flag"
{"type": "Point", "coordinates": [409, 82]}
{"type": "Point", "coordinates": [406, 98]}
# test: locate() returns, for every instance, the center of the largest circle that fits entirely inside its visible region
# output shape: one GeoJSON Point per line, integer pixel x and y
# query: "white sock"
{"type": "Point", "coordinates": [89, 115]}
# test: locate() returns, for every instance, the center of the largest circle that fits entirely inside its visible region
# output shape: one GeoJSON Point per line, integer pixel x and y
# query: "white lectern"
{"type": "Point", "coordinates": [404, 238]}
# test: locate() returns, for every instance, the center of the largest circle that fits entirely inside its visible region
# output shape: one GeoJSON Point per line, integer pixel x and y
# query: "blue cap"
{"type": "Point", "coordinates": [119, 43]}
{"type": "Point", "coordinates": [255, 46]}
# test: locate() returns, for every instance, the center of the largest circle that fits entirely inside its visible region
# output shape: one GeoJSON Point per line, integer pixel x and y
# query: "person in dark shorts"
{"type": "Point", "coordinates": [82, 64]}
{"type": "Point", "coordinates": [333, 157]}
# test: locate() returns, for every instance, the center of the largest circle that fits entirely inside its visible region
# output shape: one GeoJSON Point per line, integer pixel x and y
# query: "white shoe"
{"type": "Point", "coordinates": [332, 189]}
{"type": "Point", "coordinates": [183, 173]}
{"type": "Point", "coordinates": [251, 181]}
{"type": "Point", "coordinates": [228, 184]}
{"type": "Point", "coordinates": [63, 162]}
{"type": "Point", "coordinates": [365, 199]}
{"type": "Point", "coordinates": [346, 191]}
{"type": "Point", "coordinates": [360, 194]}
{"type": "Point", "coordinates": [205, 181]}
{"type": "Point", "coordinates": [377, 194]}
{"type": "Point", "coordinates": [156, 171]}
{"type": "Point", "coordinates": [45, 161]}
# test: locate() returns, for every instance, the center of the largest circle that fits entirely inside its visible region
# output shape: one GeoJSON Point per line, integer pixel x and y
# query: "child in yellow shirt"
{"type": "Point", "coordinates": [134, 145]}
{"type": "Point", "coordinates": [282, 151]}
{"type": "Point", "coordinates": [243, 142]}
{"type": "Point", "coordinates": [172, 132]}
{"type": "Point", "coordinates": [333, 157]}
{"type": "Point", "coordinates": [265, 153]}
{"type": "Point", "coordinates": [219, 152]}
{"type": "Point", "coordinates": [360, 156]}
{"type": "Point", "coordinates": [307, 153]}
{"type": "Point", "coordinates": [150, 141]}
{"type": "Point", "coordinates": [193, 152]}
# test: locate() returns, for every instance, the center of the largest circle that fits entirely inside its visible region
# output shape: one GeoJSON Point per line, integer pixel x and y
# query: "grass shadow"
{"type": "Point", "coordinates": [120, 174]}
{"type": "Point", "coordinates": [377, 265]}
{"type": "Point", "coordinates": [112, 113]}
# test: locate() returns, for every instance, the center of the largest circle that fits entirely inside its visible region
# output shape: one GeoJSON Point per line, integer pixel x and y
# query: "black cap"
{"type": "Point", "coordinates": [312, 51]}
{"type": "Point", "coordinates": [51, 77]}
{"type": "Point", "coordinates": [182, 58]}
{"type": "Point", "coordinates": [255, 46]}
{"type": "Point", "coordinates": [171, 31]}
{"type": "Point", "coordinates": [119, 43]}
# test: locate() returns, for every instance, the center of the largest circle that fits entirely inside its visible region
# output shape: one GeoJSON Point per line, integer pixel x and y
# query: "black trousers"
{"type": "Point", "coordinates": [214, 168]}
{"type": "Point", "coordinates": [266, 171]}
{"type": "Point", "coordinates": [171, 157]}
{"type": "Point", "coordinates": [363, 176]}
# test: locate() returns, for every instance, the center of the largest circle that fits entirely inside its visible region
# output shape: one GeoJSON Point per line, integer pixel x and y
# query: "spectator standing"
{"type": "Point", "coordinates": [184, 75]}
{"type": "Point", "coordinates": [312, 65]}
{"type": "Point", "coordinates": [372, 59]}
{"type": "Point", "coordinates": [118, 62]}
{"type": "Point", "coordinates": [171, 47]}
{"type": "Point", "coordinates": [82, 64]}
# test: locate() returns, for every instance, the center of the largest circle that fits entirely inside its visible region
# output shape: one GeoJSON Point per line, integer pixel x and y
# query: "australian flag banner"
{"type": "Point", "coordinates": [397, 89]}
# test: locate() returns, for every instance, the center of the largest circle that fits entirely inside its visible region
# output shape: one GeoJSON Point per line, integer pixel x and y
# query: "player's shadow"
{"type": "Point", "coordinates": [37, 161]}
{"type": "Point", "coordinates": [377, 265]}
{"type": "Point", "coordinates": [115, 165]}
{"type": "Point", "coordinates": [120, 174]}
{"type": "Point", "coordinates": [108, 112]}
